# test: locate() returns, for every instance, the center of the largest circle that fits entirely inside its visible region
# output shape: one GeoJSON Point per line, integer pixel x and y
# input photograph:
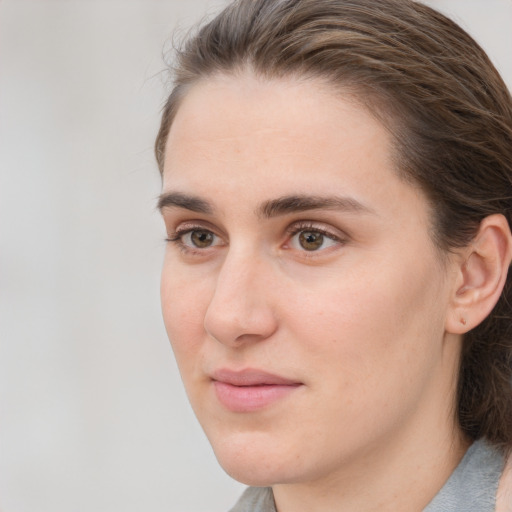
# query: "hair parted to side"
{"type": "Point", "coordinates": [446, 106]}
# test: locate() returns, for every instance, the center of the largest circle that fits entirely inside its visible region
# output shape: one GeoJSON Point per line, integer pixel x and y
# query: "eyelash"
{"type": "Point", "coordinates": [177, 238]}
{"type": "Point", "coordinates": [297, 228]}
{"type": "Point", "coordinates": [291, 231]}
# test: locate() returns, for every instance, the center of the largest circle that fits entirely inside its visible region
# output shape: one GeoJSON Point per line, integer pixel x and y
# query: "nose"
{"type": "Point", "coordinates": [240, 310]}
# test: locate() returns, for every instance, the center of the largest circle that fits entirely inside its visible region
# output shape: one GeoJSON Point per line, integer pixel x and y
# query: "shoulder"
{"type": "Point", "coordinates": [504, 496]}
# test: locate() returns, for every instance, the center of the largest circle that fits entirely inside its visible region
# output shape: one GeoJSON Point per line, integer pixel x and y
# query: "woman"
{"type": "Point", "coordinates": [337, 192]}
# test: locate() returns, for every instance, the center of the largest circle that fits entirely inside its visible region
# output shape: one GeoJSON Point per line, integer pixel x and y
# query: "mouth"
{"type": "Point", "coordinates": [250, 390]}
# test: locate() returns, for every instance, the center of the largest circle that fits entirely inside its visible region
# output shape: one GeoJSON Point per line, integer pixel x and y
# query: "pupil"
{"type": "Point", "coordinates": [310, 240]}
{"type": "Point", "coordinates": [202, 238]}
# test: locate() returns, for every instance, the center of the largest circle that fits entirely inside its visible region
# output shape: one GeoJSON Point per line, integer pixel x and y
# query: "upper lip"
{"type": "Point", "coordinates": [251, 377]}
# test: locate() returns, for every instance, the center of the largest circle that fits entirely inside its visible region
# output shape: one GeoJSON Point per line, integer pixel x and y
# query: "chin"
{"type": "Point", "coordinates": [254, 459]}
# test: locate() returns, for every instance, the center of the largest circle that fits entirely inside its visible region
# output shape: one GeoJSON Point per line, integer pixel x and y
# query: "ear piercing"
{"type": "Point", "coordinates": [463, 321]}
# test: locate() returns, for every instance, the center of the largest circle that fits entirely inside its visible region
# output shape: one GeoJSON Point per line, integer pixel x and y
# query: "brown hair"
{"type": "Point", "coordinates": [442, 99]}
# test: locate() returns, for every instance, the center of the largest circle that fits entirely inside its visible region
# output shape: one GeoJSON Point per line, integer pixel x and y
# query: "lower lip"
{"type": "Point", "coordinates": [251, 398]}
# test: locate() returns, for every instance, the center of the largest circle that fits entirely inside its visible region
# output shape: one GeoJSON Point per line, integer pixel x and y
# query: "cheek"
{"type": "Point", "coordinates": [184, 303]}
{"type": "Point", "coordinates": [377, 322]}
{"type": "Point", "coordinates": [367, 341]}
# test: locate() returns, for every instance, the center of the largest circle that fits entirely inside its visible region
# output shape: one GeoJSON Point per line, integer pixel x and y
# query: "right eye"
{"type": "Point", "coordinates": [199, 238]}
{"type": "Point", "coordinates": [195, 238]}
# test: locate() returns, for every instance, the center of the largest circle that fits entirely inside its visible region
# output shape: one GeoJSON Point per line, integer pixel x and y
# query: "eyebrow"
{"type": "Point", "coordinates": [273, 208]}
{"type": "Point", "coordinates": [185, 201]}
{"type": "Point", "coordinates": [300, 203]}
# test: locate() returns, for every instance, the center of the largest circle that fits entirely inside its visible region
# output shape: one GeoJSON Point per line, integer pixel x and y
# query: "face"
{"type": "Point", "coordinates": [301, 291]}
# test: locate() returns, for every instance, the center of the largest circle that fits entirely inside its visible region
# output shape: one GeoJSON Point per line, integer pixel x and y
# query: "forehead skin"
{"type": "Point", "coordinates": [266, 117]}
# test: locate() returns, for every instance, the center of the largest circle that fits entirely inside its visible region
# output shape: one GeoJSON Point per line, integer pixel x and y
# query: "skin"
{"type": "Point", "coordinates": [364, 323]}
{"type": "Point", "coordinates": [504, 495]}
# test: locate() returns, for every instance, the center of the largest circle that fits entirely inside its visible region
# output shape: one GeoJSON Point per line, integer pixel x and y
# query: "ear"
{"type": "Point", "coordinates": [481, 275]}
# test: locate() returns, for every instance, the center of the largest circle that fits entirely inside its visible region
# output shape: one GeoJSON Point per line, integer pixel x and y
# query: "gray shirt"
{"type": "Point", "coordinates": [471, 487]}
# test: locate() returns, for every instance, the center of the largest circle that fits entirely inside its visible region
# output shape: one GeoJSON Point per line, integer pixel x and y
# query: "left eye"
{"type": "Point", "coordinates": [310, 240]}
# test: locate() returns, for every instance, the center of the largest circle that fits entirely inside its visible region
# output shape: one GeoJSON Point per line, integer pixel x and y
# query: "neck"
{"type": "Point", "coordinates": [394, 478]}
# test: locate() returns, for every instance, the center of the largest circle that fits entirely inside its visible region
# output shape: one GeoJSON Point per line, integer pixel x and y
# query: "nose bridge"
{"type": "Point", "coordinates": [241, 308]}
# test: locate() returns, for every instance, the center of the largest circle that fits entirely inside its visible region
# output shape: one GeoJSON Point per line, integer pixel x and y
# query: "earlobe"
{"type": "Point", "coordinates": [481, 275]}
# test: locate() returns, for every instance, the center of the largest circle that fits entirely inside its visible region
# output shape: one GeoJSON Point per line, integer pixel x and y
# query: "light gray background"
{"type": "Point", "coordinates": [92, 413]}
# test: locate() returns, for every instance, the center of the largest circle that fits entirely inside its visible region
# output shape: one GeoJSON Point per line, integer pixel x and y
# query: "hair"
{"type": "Point", "coordinates": [446, 106]}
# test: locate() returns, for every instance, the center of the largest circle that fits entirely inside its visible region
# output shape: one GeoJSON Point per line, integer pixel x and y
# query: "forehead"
{"type": "Point", "coordinates": [246, 105]}
{"type": "Point", "coordinates": [251, 137]}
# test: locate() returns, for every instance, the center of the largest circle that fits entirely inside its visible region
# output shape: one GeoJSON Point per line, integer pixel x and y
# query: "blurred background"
{"type": "Point", "coordinates": [92, 411]}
